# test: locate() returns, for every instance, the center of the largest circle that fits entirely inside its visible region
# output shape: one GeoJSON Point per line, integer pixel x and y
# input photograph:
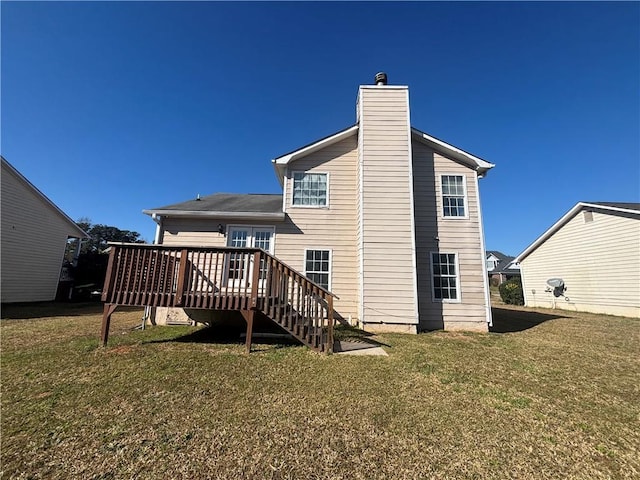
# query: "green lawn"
{"type": "Point", "coordinates": [557, 400]}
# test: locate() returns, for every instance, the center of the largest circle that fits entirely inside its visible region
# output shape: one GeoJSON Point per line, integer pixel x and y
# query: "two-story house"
{"type": "Point", "coordinates": [383, 215]}
{"type": "Point", "coordinates": [501, 267]}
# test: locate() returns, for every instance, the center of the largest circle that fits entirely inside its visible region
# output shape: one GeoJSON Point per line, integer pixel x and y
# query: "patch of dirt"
{"type": "Point", "coordinates": [121, 350]}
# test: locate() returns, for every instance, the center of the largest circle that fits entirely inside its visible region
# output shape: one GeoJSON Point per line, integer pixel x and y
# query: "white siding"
{"type": "Point", "coordinates": [386, 238]}
{"type": "Point", "coordinates": [34, 237]}
{"type": "Point", "coordinates": [599, 262]}
{"type": "Point", "coordinates": [434, 233]}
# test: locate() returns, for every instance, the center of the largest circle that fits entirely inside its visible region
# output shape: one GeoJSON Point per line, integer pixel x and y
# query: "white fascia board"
{"type": "Point", "coordinates": [275, 216]}
{"type": "Point", "coordinates": [384, 87]}
{"type": "Point", "coordinates": [610, 208]}
{"type": "Point", "coordinates": [565, 218]}
{"type": "Point", "coordinates": [81, 233]}
{"type": "Point", "coordinates": [482, 166]}
{"type": "Point", "coordinates": [280, 163]}
{"type": "Point", "coordinates": [550, 231]}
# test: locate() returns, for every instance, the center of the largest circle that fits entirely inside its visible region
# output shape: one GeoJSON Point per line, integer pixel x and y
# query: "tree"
{"type": "Point", "coordinates": [101, 235]}
{"type": "Point", "coordinates": [92, 262]}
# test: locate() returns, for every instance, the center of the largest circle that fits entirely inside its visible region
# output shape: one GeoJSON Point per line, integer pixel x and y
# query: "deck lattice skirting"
{"type": "Point", "coordinates": [248, 280]}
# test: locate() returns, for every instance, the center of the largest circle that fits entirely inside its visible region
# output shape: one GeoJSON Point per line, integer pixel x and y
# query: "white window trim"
{"type": "Point", "coordinates": [259, 227]}
{"type": "Point", "coordinates": [466, 196]}
{"type": "Point", "coordinates": [284, 190]}
{"type": "Point", "coordinates": [324, 249]}
{"type": "Point", "coordinates": [458, 286]}
{"type": "Point", "coordinates": [293, 172]}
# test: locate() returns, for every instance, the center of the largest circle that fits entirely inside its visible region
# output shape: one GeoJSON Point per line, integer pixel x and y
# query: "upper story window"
{"type": "Point", "coordinates": [310, 189]}
{"type": "Point", "coordinates": [454, 196]}
{"type": "Point", "coordinates": [491, 264]}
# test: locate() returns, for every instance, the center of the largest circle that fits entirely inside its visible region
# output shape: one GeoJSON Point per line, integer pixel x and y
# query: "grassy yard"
{"type": "Point", "coordinates": [555, 396]}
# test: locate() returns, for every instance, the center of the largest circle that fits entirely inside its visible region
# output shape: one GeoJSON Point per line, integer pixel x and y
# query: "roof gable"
{"type": "Point", "coordinates": [476, 163]}
{"type": "Point", "coordinates": [280, 163]}
{"type": "Point", "coordinates": [497, 255]}
{"type": "Point", "coordinates": [612, 208]}
{"type": "Point", "coordinates": [43, 198]}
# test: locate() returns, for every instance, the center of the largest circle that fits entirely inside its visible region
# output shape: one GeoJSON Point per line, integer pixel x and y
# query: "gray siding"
{"type": "Point", "coordinates": [462, 236]}
{"type": "Point", "coordinates": [34, 237]}
{"type": "Point", "coordinates": [598, 260]}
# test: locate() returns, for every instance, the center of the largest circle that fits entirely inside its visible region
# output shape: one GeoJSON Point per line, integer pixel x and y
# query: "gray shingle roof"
{"type": "Point", "coordinates": [503, 263]}
{"type": "Point", "coordinates": [627, 205]}
{"type": "Point", "coordinates": [228, 202]}
{"type": "Point", "coordinates": [499, 255]}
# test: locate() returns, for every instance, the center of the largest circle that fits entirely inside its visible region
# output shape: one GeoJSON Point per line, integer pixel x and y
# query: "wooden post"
{"type": "Point", "coordinates": [248, 316]}
{"type": "Point", "coordinates": [106, 321]}
{"type": "Point", "coordinates": [181, 276]}
{"type": "Point", "coordinates": [256, 279]}
{"type": "Point", "coordinates": [331, 322]}
{"type": "Point", "coordinates": [109, 277]}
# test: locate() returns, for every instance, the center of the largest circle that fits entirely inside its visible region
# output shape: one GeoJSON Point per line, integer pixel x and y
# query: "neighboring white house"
{"type": "Point", "coordinates": [384, 215]}
{"type": "Point", "coordinates": [595, 250]}
{"type": "Point", "coordinates": [34, 237]}
{"type": "Point", "coordinates": [501, 267]}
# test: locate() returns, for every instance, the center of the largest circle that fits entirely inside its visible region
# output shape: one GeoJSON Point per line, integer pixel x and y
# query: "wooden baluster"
{"type": "Point", "coordinates": [162, 278]}
{"type": "Point", "coordinates": [256, 279]}
{"type": "Point", "coordinates": [138, 285]}
{"type": "Point", "coordinates": [172, 263]}
{"type": "Point", "coordinates": [219, 275]}
{"type": "Point", "coordinates": [210, 283]}
{"type": "Point", "coordinates": [120, 274]}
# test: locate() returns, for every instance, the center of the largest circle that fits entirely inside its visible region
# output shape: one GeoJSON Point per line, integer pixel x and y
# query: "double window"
{"type": "Point", "coordinates": [453, 196]}
{"type": "Point", "coordinates": [445, 277]}
{"type": "Point", "coordinates": [317, 267]}
{"type": "Point", "coordinates": [310, 189]}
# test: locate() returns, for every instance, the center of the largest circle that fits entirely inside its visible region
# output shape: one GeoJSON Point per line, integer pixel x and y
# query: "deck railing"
{"type": "Point", "coordinates": [220, 278]}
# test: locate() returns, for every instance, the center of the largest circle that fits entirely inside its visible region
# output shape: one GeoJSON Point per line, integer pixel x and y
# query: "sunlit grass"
{"type": "Point", "coordinates": [559, 400]}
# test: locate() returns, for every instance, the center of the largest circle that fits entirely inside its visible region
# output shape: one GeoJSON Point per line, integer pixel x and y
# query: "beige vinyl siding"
{"type": "Point", "coordinates": [599, 262]}
{"type": "Point", "coordinates": [462, 236]}
{"type": "Point", "coordinates": [386, 236]}
{"type": "Point", "coordinates": [358, 226]}
{"type": "Point", "coordinates": [193, 232]}
{"type": "Point", "coordinates": [34, 237]}
{"type": "Point", "coordinates": [326, 228]}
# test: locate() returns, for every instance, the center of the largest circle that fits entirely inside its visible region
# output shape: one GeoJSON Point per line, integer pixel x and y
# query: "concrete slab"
{"type": "Point", "coordinates": [342, 347]}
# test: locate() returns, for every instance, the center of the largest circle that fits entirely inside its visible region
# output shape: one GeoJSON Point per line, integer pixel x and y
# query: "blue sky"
{"type": "Point", "coordinates": [111, 108]}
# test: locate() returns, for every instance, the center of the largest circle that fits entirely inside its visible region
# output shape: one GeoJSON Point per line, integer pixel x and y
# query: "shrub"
{"type": "Point", "coordinates": [511, 292]}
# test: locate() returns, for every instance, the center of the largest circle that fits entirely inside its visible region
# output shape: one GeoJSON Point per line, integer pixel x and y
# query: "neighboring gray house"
{"type": "Point", "coordinates": [34, 237]}
{"type": "Point", "coordinates": [501, 267]}
{"type": "Point", "coordinates": [380, 213]}
{"type": "Point", "coordinates": [595, 250]}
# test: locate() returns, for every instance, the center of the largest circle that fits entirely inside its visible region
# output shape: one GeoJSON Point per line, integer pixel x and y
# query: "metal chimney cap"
{"type": "Point", "coordinates": [381, 78]}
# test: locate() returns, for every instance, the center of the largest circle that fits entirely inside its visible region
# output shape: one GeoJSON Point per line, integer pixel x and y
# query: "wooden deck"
{"type": "Point", "coordinates": [248, 280]}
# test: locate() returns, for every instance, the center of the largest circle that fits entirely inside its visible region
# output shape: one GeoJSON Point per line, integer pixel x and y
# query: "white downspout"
{"type": "Point", "coordinates": [158, 237]}
{"type": "Point", "coordinates": [156, 241]}
{"type": "Point", "coordinates": [485, 273]}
